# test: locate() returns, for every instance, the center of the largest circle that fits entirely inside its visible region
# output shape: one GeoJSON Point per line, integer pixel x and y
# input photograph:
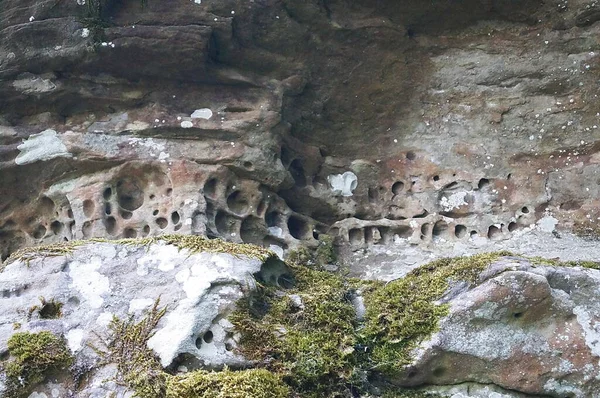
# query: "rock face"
{"type": "Point", "coordinates": [77, 295]}
{"type": "Point", "coordinates": [525, 328]}
{"type": "Point", "coordinates": [455, 122]}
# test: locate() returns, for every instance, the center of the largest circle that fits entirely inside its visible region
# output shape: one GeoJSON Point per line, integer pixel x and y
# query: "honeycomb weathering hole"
{"type": "Point", "coordinates": [494, 232]}
{"type": "Point", "coordinates": [460, 231]}
{"type": "Point", "coordinates": [88, 207]}
{"type": "Point", "coordinates": [56, 227]}
{"type": "Point", "coordinates": [298, 228]}
{"type": "Point", "coordinates": [272, 219]}
{"type": "Point", "coordinates": [210, 188]}
{"type": "Point", "coordinates": [297, 172]}
{"type": "Point", "coordinates": [208, 337]}
{"type": "Point", "coordinates": [398, 187]}
{"type": "Point", "coordinates": [484, 182]}
{"type": "Point", "coordinates": [110, 224]}
{"type": "Point", "coordinates": [175, 217]}
{"type": "Point", "coordinates": [162, 222]}
{"type": "Point", "coordinates": [39, 232]}
{"type": "Point", "coordinates": [130, 195]}
{"type": "Point", "coordinates": [252, 230]}
{"type": "Point", "coordinates": [237, 202]}
{"type": "Point", "coordinates": [440, 228]}
{"type": "Point", "coordinates": [356, 236]}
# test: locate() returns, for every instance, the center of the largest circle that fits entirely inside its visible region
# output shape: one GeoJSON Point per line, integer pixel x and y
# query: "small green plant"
{"type": "Point", "coordinates": [33, 356]}
{"type": "Point", "coordinates": [47, 309]}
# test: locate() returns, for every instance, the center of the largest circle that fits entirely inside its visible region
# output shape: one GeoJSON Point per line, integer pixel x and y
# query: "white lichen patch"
{"type": "Point", "coordinates": [41, 147]}
{"type": "Point", "coordinates": [162, 257]}
{"type": "Point", "coordinates": [104, 319]}
{"type": "Point", "coordinates": [85, 32]}
{"type": "Point", "coordinates": [547, 224]}
{"type": "Point", "coordinates": [138, 305]}
{"type": "Point", "coordinates": [186, 124]}
{"type": "Point", "coordinates": [591, 329]}
{"type": "Point", "coordinates": [89, 282]}
{"type": "Point", "coordinates": [75, 339]}
{"type": "Point", "coordinates": [454, 201]}
{"type": "Point", "coordinates": [343, 184]}
{"type": "Point", "coordinates": [203, 113]}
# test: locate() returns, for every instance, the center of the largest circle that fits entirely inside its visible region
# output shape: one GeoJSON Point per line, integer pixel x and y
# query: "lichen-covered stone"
{"type": "Point", "coordinates": [197, 280]}
{"type": "Point", "coordinates": [525, 326]}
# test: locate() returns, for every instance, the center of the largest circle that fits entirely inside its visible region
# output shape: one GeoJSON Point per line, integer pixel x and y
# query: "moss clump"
{"type": "Point", "coordinates": [307, 332]}
{"type": "Point", "coordinates": [252, 383]}
{"type": "Point", "coordinates": [32, 357]}
{"type": "Point", "coordinates": [140, 371]}
{"type": "Point", "coordinates": [325, 252]}
{"type": "Point", "coordinates": [402, 313]}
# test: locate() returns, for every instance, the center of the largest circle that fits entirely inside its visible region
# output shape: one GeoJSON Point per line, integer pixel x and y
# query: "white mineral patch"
{"type": "Point", "coordinates": [203, 113]}
{"type": "Point", "coordinates": [85, 32]}
{"type": "Point", "coordinates": [162, 256]}
{"type": "Point", "coordinates": [104, 319]}
{"type": "Point", "coordinates": [32, 84]}
{"type": "Point", "coordinates": [276, 231]}
{"type": "Point", "coordinates": [37, 395]}
{"type": "Point", "coordinates": [278, 250]}
{"type": "Point", "coordinates": [89, 282]}
{"type": "Point", "coordinates": [343, 184]}
{"type": "Point", "coordinates": [74, 339]}
{"type": "Point", "coordinates": [138, 305]}
{"type": "Point", "coordinates": [40, 147]}
{"type": "Point", "coordinates": [547, 224]}
{"type": "Point", "coordinates": [454, 201]}
{"type": "Point", "coordinates": [187, 124]}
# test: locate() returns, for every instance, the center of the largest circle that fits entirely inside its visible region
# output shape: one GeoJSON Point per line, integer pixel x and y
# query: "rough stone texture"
{"type": "Point", "coordinates": [101, 280]}
{"type": "Point", "coordinates": [525, 328]}
{"type": "Point", "coordinates": [459, 120]}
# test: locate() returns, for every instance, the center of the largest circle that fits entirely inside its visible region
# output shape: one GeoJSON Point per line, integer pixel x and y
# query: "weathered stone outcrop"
{"type": "Point", "coordinates": [77, 290]}
{"type": "Point", "coordinates": [471, 327]}
{"type": "Point", "coordinates": [454, 122]}
{"type": "Point", "coordinates": [526, 327]}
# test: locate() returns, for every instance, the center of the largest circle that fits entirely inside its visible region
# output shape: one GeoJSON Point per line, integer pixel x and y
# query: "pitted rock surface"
{"type": "Point", "coordinates": [451, 122]}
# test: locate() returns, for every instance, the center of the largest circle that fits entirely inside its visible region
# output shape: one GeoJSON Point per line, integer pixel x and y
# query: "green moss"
{"type": "Point", "coordinates": [32, 357]}
{"type": "Point", "coordinates": [311, 343]}
{"type": "Point", "coordinates": [252, 383]}
{"type": "Point", "coordinates": [402, 313]}
{"type": "Point", "coordinates": [325, 252]}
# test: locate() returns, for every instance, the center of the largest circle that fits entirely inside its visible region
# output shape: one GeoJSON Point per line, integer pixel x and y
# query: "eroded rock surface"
{"type": "Point", "coordinates": [452, 122]}
{"type": "Point", "coordinates": [526, 327]}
